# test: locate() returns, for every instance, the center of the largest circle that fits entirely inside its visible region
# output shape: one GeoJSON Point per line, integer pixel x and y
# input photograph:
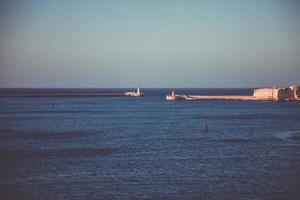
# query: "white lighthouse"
{"type": "Point", "coordinates": [134, 94]}
{"type": "Point", "coordinates": [171, 97]}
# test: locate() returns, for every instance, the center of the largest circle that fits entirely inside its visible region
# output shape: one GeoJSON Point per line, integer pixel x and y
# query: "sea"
{"type": "Point", "coordinates": [114, 147]}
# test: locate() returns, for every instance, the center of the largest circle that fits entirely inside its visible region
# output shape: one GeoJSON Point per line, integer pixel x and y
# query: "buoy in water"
{"type": "Point", "coordinates": [205, 126]}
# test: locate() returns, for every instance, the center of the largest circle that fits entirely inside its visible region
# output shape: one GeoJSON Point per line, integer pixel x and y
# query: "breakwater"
{"type": "Point", "coordinates": [291, 93]}
{"type": "Point", "coordinates": [209, 97]}
{"type": "Point", "coordinates": [226, 97]}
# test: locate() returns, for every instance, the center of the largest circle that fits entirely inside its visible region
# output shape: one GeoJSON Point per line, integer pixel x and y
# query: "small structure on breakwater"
{"type": "Point", "coordinates": [291, 93]}
{"type": "Point", "coordinates": [134, 94]}
{"type": "Point", "coordinates": [174, 96]}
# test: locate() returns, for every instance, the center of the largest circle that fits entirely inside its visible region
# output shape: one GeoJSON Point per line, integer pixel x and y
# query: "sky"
{"type": "Point", "coordinates": [154, 43]}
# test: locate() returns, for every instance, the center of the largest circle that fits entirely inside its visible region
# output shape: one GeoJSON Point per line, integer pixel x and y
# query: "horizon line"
{"type": "Point", "coordinates": [136, 87]}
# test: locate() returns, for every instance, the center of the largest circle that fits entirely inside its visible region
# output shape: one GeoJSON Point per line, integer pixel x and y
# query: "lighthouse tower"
{"type": "Point", "coordinates": [173, 93]}
{"type": "Point", "coordinates": [137, 93]}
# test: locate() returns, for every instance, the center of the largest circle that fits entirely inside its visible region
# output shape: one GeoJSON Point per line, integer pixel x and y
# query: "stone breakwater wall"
{"type": "Point", "coordinates": [291, 93]}
{"type": "Point", "coordinates": [227, 97]}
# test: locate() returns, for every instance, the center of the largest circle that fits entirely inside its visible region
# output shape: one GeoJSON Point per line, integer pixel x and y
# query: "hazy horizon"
{"type": "Point", "coordinates": [136, 87]}
{"type": "Point", "coordinates": [157, 44]}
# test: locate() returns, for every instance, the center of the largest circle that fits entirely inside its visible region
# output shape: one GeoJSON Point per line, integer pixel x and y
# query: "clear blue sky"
{"type": "Point", "coordinates": [163, 43]}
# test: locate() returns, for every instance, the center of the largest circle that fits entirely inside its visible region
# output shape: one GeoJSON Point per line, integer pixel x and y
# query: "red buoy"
{"type": "Point", "coordinates": [205, 127]}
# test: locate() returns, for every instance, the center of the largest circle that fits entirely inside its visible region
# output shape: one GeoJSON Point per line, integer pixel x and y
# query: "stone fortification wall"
{"type": "Point", "coordinates": [285, 94]}
{"type": "Point", "coordinates": [265, 94]}
{"type": "Point", "coordinates": [296, 91]}
{"type": "Point", "coordinates": [297, 94]}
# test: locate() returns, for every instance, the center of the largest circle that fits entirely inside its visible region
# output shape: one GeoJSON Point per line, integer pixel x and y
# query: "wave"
{"type": "Point", "coordinates": [23, 135]}
{"type": "Point", "coordinates": [288, 135]}
{"type": "Point", "coordinates": [58, 153]}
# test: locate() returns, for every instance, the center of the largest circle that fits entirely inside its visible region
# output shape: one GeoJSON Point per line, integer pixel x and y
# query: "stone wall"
{"type": "Point", "coordinates": [297, 94]}
{"type": "Point", "coordinates": [285, 94]}
{"type": "Point", "coordinates": [296, 91]}
{"type": "Point", "coordinates": [265, 94]}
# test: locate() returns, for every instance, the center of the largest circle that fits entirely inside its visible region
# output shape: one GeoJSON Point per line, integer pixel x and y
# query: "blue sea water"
{"type": "Point", "coordinates": [148, 148]}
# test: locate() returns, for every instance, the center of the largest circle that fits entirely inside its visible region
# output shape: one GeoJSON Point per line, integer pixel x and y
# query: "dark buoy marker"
{"type": "Point", "coordinates": [205, 126]}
